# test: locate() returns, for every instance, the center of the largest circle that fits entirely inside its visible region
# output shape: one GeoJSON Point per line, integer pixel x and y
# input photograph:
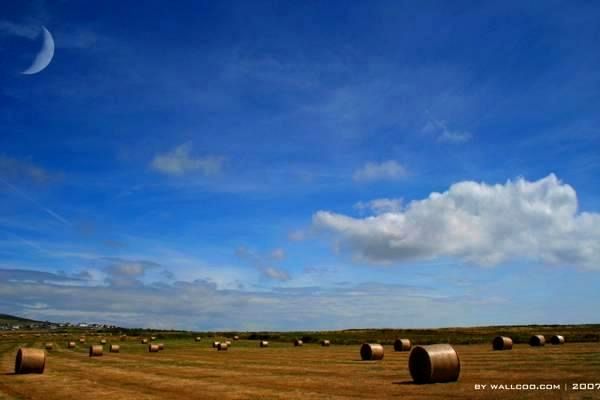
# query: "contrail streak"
{"type": "Point", "coordinates": [30, 199]}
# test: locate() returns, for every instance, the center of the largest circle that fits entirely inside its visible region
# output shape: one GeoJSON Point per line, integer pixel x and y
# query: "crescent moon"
{"type": "Point", "coordinates": [43, 58]}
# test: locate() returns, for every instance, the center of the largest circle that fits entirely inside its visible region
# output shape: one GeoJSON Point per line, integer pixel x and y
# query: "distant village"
{"type": "Point", "coordinates": [52, 325]}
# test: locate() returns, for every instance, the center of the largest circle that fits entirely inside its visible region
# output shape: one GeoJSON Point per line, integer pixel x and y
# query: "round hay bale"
{"type": "Point", "coordinates": [402, 345]}
{"type": "Point", "coordinates": [264, 343]}
{"type": "Point", "coordinates": [103, 341]}
{"type": "Point", "coordinates": [298, 343]}
{"type": "Point", "coordinates": [434, 363]}
{"type": "Point", "coordinates": [198, 338]}
{"type": "Point", "coordinates": [49, 346]}
{"type": "Point", "coordinates": [71, 345]}
{"type": "Point", "coordinates": [537, 340]}
{"type": "Point", "coordinates": [215, 345]}
{"type": "Point", "coordinates": [222, 346]}
{"type": "Point", "coordinates": [228, 342]}
{"type": "Point", "coordinates": [370, 351]}
{"type": "Point", "coordinates": [557, 339]}
{"type": "Point", "coordinates": [30, 361]}
{"type": "Point", "coordinates": [114, 348]}
{"type": "Point", "coordinates": [153, 348]}
{"type": "Point", "coordinates": [96, 350]}
{"type": "Point", "coordinates": [153, 338]}
{"type": "Point", "coordinates": [81, 340]}
{"type": "Point", "coordinates": [161, 346]}
{"type": "Point", "coordinates": [502, 343]}
{"type": "Point", "coordinates": [325, 343]}
{"type": "Point", "coordinates": [236, 337]}
{"type": "Point", "coordinates": [144, 341]}
{"type": "Point", "coordinates": [123, 338]}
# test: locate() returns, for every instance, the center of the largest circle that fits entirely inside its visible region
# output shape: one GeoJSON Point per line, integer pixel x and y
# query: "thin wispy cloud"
{"type": "Point", "coordinates": [180, 161]}
{"type": "Point", "coordinates": [384, 171]}
{"type": "Point", "coordinates": [444, 134]}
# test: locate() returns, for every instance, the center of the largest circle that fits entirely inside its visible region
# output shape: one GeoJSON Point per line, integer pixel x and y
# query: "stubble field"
{"type": "Point", "coordinates": [190, 370]}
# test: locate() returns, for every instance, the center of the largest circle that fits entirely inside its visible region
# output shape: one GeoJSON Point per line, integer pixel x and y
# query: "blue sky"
{"type": "Point", "coordinates": [324, 165]}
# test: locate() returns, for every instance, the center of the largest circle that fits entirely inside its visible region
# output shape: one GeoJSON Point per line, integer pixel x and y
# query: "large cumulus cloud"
{"type": "Point", "coordinates": [478, 223]}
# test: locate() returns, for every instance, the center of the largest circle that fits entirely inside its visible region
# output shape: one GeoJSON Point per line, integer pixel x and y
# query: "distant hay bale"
{"type": "Point", "coordinates": [298, 343]}
{"type": "Point", "coordinates": [228, 342]}
{"type": "Point", "coordinates": [81, 340]}
{"type": "Point", "coordinates": [222, 346]}
{"type": "Point", "coordinates": [264, 343]}
{"type": "Point", "coordinates": [153, 338]}
{"type": "Point", "coordinates": [114, 348]}
{"type": "Point", "coordinates": [502, 343]}
{"type": "Point", "coordinates": [370, 351]}
{"type": "Point", "coordinates": [96, 350]}
{"type": "Point", "coordinates": [153, 348]}
{"type": "Point", "coordinates": [557, 339]}
{"type": "Point", "coordinates": [30, 361]}
{"type": "Point", "coordinates": [71, 345]}
{"type": "Point", "coordinates": [49, 346]}
{"type": "Point", "coordinates": [103, 341]}
{"type": "Point", "coordinates": [402, 345]}
{"type": "Point", "coordinates": [123, 338]}
{"type": "Point", "coordinates": [537, 340]}
{"type": "Point", "coordinates": [434, 363]}
{"type": "Point", "coordinates": [144, 341]}
{"type": "Point", "coordinates": [161, 346]}
{"type": "Point", "coordinates": [198, 338]}
{"type": "Point", "coordinates": [325, 343]}
{"type": "Point", "coordinates": [236, 337]}
{"type": "Point", "coordinates": [215, 345]}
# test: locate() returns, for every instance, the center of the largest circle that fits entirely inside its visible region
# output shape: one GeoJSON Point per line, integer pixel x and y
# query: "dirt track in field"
{"type": "Point", "coordinates": [188, 370]}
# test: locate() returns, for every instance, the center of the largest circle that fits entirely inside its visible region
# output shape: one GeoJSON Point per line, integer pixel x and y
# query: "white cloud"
{"type": "Point", "coordinates": [278, 254]}
{"type": "Point", "coordinates": [380, 206]}
{"type": "Point", "coordinates": [265, 263]}
{"type": "Point", "coordinates": [387, 170]}
{"type": "Point", "coordinates": [477, 223]}
{"type": "Point", "coordinates": [444, 134]}
{"type": "Point", "coordinates": [297, 235]}
{"type": "Point", "coordinates": [179, 162]}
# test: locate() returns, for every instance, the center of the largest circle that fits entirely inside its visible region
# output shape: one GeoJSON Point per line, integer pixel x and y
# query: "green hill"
{"type": "Point", "coordinates": [6, 319]}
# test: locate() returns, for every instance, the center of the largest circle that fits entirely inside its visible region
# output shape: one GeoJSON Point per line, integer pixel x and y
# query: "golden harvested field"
{"type": "Point", "coordinates": [190, 370]}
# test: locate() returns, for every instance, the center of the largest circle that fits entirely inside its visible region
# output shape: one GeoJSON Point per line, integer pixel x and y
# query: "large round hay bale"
{"type": "Point", "coordinates": [222, 346]}
{"type": "Point", "coordinates": [153, 348]}
{"type": "Point", "coordinates": [264, 343]}
{"type": "Point", "coordinates": [325, 343]}
{"type": "Point", "coordinates": [161, 346]}
{"type": "Point", "coordinates": [557, 339]}
{"type": "Point", "coordinates": [71, 345]}
{"type": "Point", "coordinates": [30, 361]}
{"type": "Point", "coordinates": [236, 337]}
{"type": "Point", "coordinates": [144, 341]}
{"type": "Point", "coordinates": [298, 343]}
{"type": "Point", "coordinates": [114, 348]}
{"type": "Point", "coordinates": [49, 346]}
{"type": "Point", "coordinates": [434, 363]}
{"type": "Point", "coordinates": [153, 338]}
{"type": "Point", "coordinates": [198, 338]}
{"type": "Point", "coordinates": [215, 345]}
{"type": "Point", "coordinates": [370, 351]}
{"type": "Point", "coordinates": [81, 340]}
{"type": "Point", "coordinates": [502, 343]}
{"type": "Point", "coordinates": [537, 340]}
{"type": "Point", "coordinates": [402, 345]}
{"type": "Point", "coordinates": [123, 338]}
{"type": "Point", "coordinates": [103, 341]}
{"type": "Point", "coordinates": [96, 350]}
{"type": "Point", "coordinates": [228, 342]}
